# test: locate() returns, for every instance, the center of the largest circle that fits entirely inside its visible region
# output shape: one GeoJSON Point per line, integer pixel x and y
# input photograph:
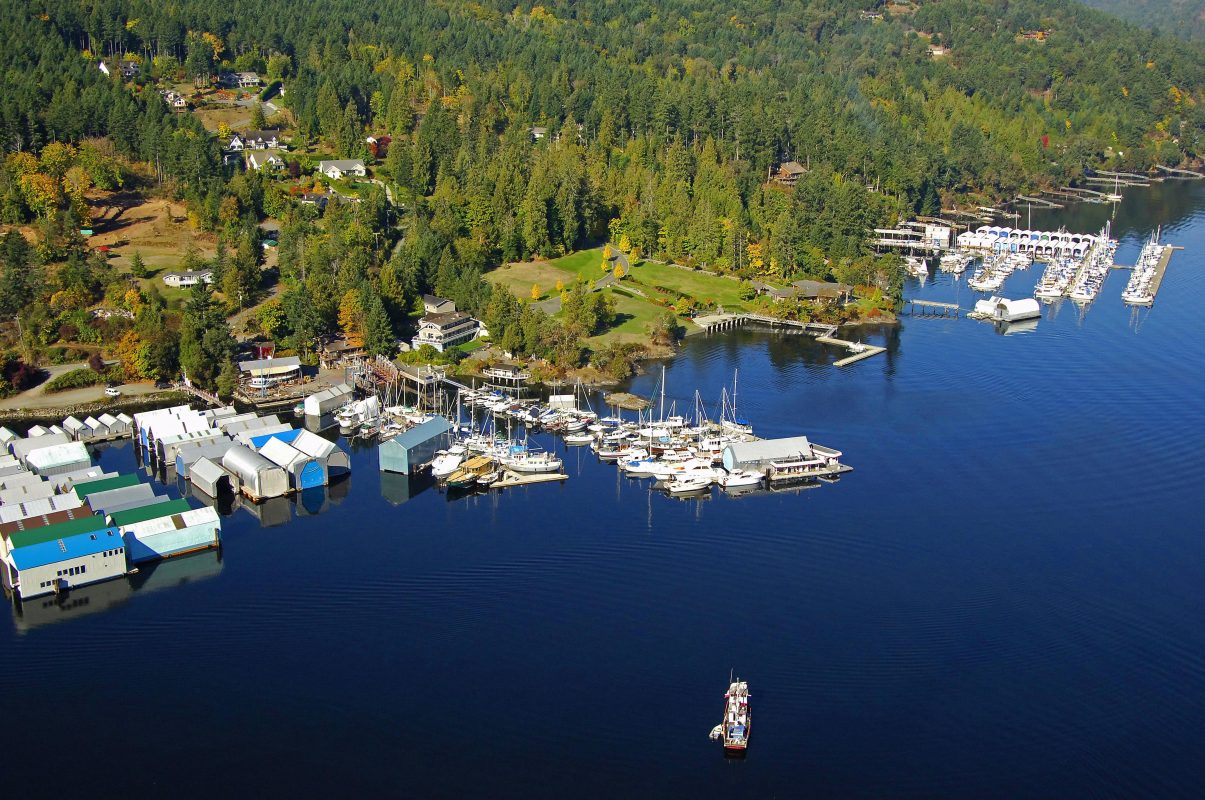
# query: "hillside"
{"type": "Point", "coordinates": [756, 138]}
{"type": "Point", "coordinates": [1185, 18]}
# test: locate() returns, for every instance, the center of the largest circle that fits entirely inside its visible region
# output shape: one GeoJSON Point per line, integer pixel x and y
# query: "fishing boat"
{"type": "Point", "coordinates": [579, 438]}
{"type": "Point", "coordinates": [734, 730]}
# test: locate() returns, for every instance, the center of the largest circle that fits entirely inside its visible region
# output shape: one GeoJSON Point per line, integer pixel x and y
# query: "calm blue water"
{"type": "Point", "coordinates": [1003, 600]}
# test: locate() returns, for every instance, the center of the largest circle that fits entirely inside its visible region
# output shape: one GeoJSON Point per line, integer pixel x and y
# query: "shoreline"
{"type": "Point", "coordinates": [28, 417]}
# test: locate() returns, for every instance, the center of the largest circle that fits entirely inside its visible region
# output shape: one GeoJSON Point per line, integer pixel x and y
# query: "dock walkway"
{"type": "Point", "coordinates": [931, 308]}
{"type": "Point", "coordinates": [1160, 269]}
{"type": "Point", "coordinates": [510, 478]}
{"type": "Point", "coordinates": [859, 350]}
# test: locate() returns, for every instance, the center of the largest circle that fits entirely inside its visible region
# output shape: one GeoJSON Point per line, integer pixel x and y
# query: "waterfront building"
{"type": "Point", "coordinates": [60, 564]}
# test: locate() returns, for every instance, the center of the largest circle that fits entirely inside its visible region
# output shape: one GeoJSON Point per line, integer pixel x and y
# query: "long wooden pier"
{"type": "Point", "coordinates": [931, 308]}
{"type": "Point", "coordinates": [1176, 172]}
{"type": "Point", "coordinates": [723, 322]}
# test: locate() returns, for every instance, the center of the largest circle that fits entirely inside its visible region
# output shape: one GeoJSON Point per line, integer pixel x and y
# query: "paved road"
{"type": "Point", "coordinates": [38, 398]}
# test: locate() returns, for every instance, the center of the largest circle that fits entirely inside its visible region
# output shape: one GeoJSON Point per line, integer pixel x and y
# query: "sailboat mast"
{"type": "Point", "coordinates": [662, 394]}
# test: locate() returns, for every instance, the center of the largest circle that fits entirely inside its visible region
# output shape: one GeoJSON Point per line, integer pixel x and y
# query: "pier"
{"type": "Point", "coordinates": [1160, 269]}
{"type": "Point", "coordinates": [1037, 201]}
{"type": "Point", "coordinates": [509, 479]}
{"type": "Point", "coordinates": [1175, 172]}
{"type": "Point", "coordinates": [722, 322]}
{"type": "Point", "coordinates": [860, 350]}
{"type": "Point", "coordinates": [931, 308]}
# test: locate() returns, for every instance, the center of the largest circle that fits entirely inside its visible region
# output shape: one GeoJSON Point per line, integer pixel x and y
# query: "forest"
{"type": "Point", "coordinates": [533, 130]}
{"type": "Point", "coordinates": [1184, 18]}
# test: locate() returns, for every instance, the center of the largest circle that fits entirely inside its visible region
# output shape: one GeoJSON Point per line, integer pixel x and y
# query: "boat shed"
{"type": "Point", "coordinates": [59, 459]}
{"type": "Point", "coordinates": [76, 429]}
{"type": "Point", "coordinates": [6, 436]}
{"type": "Point", "coordinates": [15, 480]}
{"type": "Point", "coordinates": [24, 492]}
{"type": "Point", "coordinates": [64, 563]}
{"type": "Point", "coordinates": [337, 461]}
{"type": "Point", "coordinates": [58, 429]}
{"type": "Point", "coordinates": [115, 500]}
{"type": "Point", "coordinates": [184, 531]}
{"type": "Point", "coordinates": [60, 530]}
{"type": "Point", "coordinates": [186, 458]}
{"type": "Point", "coordinates": [305, 472]}
{"type": "Point", "coordinates": [328, 400]}
{"type": "Point", "coordinates": [36, 430]}
{"type": "Point", "coordinates": [124, 424]}
{"type": "Point", "coordinates": [115, 428]}
{"type": "Point", "coordinates": [247, 437]}
{"type": "Point", "coordinates": [209, 476]}
{"type": "Point", "coordinates": [86, 488]}
{"type": "Point", "coordinates": [169, 447]}
{"type": "Point", "coordinates": [9, 464]}
{"type": "Point", "coordinates": [21, 448]}
{"type": "Point", "coordinates": [286, 436]}
{"type": "Point", "coordinates": [1001, 309]}
{"type": "Point", "coordinates": [756, 456]}
{"type": "Point", "coordinates": [258, 477]}
{"type": "Point", "coordinates": [241, 422]}
{"type": "Point", "coordinates": [95, 428]}
{"type": "Point", "coordinates": [410, 450]}
{"type": "Point", "coordinates": [66, 481]}
{"type": "Point", "coordinates": [37, 508]}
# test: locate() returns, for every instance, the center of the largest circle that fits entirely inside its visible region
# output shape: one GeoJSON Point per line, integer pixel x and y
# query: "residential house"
{"type": "Point", "coordinates": [874, 16]}
{"type": "Point", "coordinates": [442, 331]}
{"type": "Point", "coordinates": [246, 80]}
{"type": "Point", "coordinates": [342, 167]}
{"type": "Point", "coordinates": [130, 69]}
{"type": "Point", "coordinates": [437, 305]}
{"type": "Point", "coordinates": [938, 50]}
{"type": "Point", "coordinates": [789, 173]}
{"type": "Point", "coordinates": [261, 140]}
{"type": "Point", "coordinates": [538, 133]}
{"type": "Point", "coordinates": [260, 159]}
{"type": "Point", "coordinates": [815, 291]}
{"type": "Point", "coordinates": [188, 278]}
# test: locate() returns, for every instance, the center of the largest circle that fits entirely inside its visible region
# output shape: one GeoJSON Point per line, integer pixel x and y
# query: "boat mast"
{"type": "Point", "coordinates": [662, 394]}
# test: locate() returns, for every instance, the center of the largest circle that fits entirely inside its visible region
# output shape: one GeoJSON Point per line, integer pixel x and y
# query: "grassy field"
{"type": "Point", "coordinates": [699, 285]}
{"type": "Point", "coordinates": [635, 313]}
{"type": "Point", "coordinates": [633, 317]}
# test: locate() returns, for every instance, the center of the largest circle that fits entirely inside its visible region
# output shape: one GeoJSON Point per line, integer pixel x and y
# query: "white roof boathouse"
{"type": "Point", "coordinates": [259, 478]}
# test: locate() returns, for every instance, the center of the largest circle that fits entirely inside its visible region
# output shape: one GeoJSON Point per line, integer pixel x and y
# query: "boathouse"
{"type": "Point", "coordinates": [168, 529]}
{"type": "Point", "coordinates": [413, 449]}
{"type": "Point", "coordinates": [305, 472]}
{"type": "Point", "coordinates": [59, 564]}
{"type": "Point", "coordinates": [209, 477]}
{"type": "Point", "coordinates": [259, 478]}
{"type": "Point", "coordinates": [1001, 309]}
{"type": "Point", "coordinates": [757, 456]}
{"type": "Point", "coordinates": [59, 459]}
{"type": "Point", "coordinates": [328, 400]}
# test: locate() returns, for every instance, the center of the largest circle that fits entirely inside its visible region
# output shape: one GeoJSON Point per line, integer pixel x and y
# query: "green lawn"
{"type": "Point", "coordinates": [634, 316]}
{"type": "Point", "coordinates": [699, 285]}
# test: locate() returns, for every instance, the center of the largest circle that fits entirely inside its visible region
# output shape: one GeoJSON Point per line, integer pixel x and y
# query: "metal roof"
{"type": "Point", "coordinates": [59, 530]}
{"type": "Point", "coordinates": [52, 552]}
{"type": "Point", "coordinates": [281, 453]}
{"type": "Point", "coordinates": [205, 471]}
{"type": "Point", "coordinates": [36, 508]}
{"type": "Point", "coordinates": [767, 450]}
{"type": "Point", "coordinates": [21, 448]}
{"type": "Point", "coordinates": [313, 445]}
{"type": "Point", "coordinates": [82, 490]}
{"type": "Point", "coordinates": [174, 522]}
{"type": "Point", "coordinates": [288, 436]}
{"type": "Point", "coordinates": [58, 455]}
{"type": "Point", "coordinates": [271, 366]}
{"type": "Point", "coordinates": [422, 432]}
{"type": "Point", "coordinates": [143, 513]}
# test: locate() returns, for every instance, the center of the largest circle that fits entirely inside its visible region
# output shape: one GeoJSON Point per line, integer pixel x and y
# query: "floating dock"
{"type": "Point", "coordinates": [1160, 269]}
{"type": "Point", "coordinates": [860, 350]}
{"type": "Point", "coordinates": [509, 479]}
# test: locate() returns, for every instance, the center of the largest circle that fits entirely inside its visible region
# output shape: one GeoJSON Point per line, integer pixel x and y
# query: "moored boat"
{"type": "Point", "coordinates": [737, 718]}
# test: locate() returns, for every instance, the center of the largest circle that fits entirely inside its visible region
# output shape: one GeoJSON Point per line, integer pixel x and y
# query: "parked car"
{"type": "Point", "coordinates": [111, 391]}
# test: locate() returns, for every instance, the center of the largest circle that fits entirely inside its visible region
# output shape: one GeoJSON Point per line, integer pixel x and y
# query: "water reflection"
{"type": "Point", "coordinates": [96, 598]}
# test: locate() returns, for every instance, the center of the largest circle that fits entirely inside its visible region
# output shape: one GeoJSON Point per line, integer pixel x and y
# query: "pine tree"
{"type": "Point", "coordinates": [137, 265]}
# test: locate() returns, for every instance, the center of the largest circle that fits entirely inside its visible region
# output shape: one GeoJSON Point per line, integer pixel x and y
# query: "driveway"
{"type": "Point", "coordinates": [37, 397]}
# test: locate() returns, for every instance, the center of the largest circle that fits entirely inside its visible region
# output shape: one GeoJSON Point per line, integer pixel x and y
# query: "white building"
{"type": "Point", "coordinates": [188, 278]}
{"type": "Point", "coordinates": [61, 564]}
{"type": "Point", "coordinates": [342, 167]}
{"type": "Point", "coordinates": [260, 159]}
{"type": "Point", "coordinates": [446, 330]}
